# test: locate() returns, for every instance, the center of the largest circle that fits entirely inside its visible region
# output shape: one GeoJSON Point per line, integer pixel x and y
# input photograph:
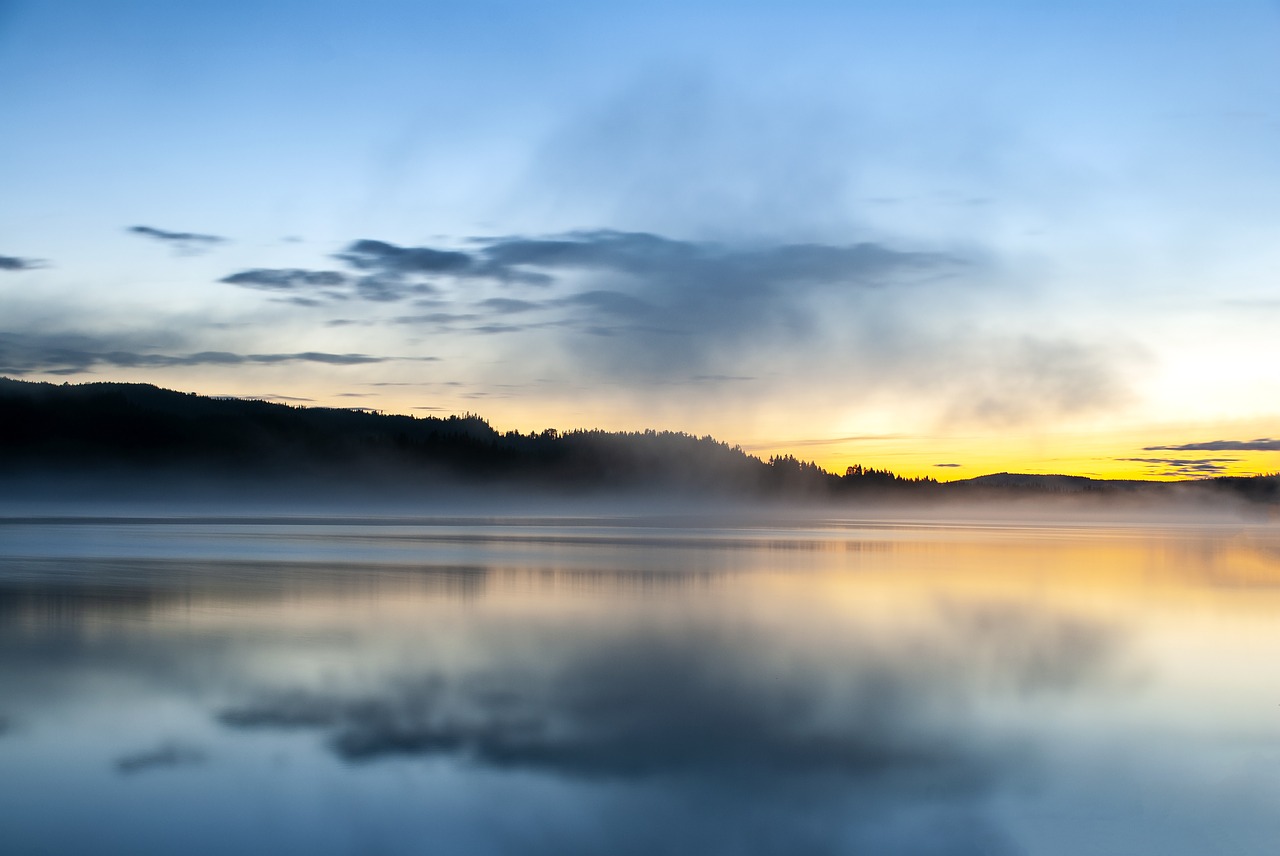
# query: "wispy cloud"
{"type": "Point", "coordinates": [1189, 467]}
{"type": "Point", "coordinates": [22, 354]}
{"type": "Point", "coordinates": [16, 263]}
{"type": "Point", "coordinates": [185, 242]}
{"type": "Point", "coordinates": [825, 441]}
{"type": "Point", "coordinates": [285, 279]}
{"type": "Point", "coordinates": [1262, 444]}
{"type": "Point", "coordinates": [272, 397]}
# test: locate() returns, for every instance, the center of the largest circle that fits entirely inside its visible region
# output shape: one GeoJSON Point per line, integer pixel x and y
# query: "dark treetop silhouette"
{"type": "Point", "coordinates": [114, 431]}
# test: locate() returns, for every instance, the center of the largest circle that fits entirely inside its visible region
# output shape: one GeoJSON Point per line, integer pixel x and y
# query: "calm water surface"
{"type": "Point", "coordinates": [637, 686]}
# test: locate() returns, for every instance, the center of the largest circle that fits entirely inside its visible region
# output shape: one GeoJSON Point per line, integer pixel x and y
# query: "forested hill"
{"type": "Point", "coordinates": [114, 428]}
{"type": "Point", "coordinates": [132, 432]}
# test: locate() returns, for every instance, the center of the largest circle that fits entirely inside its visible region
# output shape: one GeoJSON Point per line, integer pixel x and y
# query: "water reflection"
{"type": "Point", "coordinates": [523, 689]}
{"type": "Point", "coordinates": [692, 701]}
{"type": "Point", "coordinates": [164, 755]}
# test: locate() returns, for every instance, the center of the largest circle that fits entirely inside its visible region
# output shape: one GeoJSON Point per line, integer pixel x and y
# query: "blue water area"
{"type": "Point", "coordinates": [637, 685]}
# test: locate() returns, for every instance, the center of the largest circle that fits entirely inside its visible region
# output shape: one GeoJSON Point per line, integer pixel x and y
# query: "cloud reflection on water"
{"type": "Point", "coordinates": [163, 756]}
{"type": "Point", "coordinates": [715, 705]}
{"type": "Point", "coordinates": [741, 724]}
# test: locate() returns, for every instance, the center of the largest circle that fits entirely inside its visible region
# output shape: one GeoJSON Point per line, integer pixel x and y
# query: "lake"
{"type": "Point", "coordinates": [638, 685]}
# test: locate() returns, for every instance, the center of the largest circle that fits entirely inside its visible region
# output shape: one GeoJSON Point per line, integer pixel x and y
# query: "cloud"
{"type": "Point", "coordinates": [392, 263]}
{"type": "Point", "coordinates": [654, 276]}
{"type": "Point", "coordinates": [639, 308]}
{"type": "Point", "coordinates": [946, 465]}
{"type": "Point", "coordinates": [388, 288]}
{"type": "Point", "coordinates": [1191, 467]}
{"type": "Point", "coordinates": [285, 279]}
{"type": "Point", "coordinates": [653, 257]}
{"type": "Point", "coordinates": [186, 242]}
{"type": "Point", "coordinates": [665, 302]}
{"type": "Point", "coordinates": [16, 263]}
{"type": "Point", "coordinates": [1262, 444]}
{"type": "Point", "coordinates": [22, 354]}
{"type": "Point", "coordinates": [658, 305]}
{"type": "Point", "coordinates": [377, 287]}
{"type": "Point", "coordinates": [368, 254]}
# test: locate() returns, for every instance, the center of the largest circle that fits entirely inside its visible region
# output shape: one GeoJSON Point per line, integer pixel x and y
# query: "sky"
{"type": "Point", "coordinates": [946, 239]}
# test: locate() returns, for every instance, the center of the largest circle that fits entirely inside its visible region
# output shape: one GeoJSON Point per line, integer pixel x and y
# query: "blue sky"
{"type": "Point", "coordinates": [1074, 207]}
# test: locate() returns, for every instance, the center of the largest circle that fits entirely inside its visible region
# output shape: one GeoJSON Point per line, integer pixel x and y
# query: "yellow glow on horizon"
{"type": "Point", "coordinates": [832, 439]}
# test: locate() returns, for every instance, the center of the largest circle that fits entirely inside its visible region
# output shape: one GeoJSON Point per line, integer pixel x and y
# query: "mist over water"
{"type": "Point", "coordinates": [637, 684]}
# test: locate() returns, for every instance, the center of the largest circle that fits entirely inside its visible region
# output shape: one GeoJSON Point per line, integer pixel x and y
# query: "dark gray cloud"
{"type": "Point", "coordinates": [653, 258]}
{"type": "Point", "coordinates": [663, 302]}
{"type": "Point", "coordinates": [866, 314]}
{"type": "Point", "coordinates": [860, 317]}
{"type": "Point", "coordinates": [656, 277]}
{"type": "Point", "coordinates": [388, 288]}
{"type": "Point", "coordinates": [1262, 444]}
{"type": "Point", "coordinates": [17, 263]}
{"type": "Point", "coordinates": [329, 285]}
{"type": "Point", "coordinates": [285, 279]}
{"type": "Point", "coordinates": [656, 258]}
{"type": "Point", "coordinates": [187, 242]}
{"type": "Point", "coordinates": [946, 465]}
{"type": "Point", "coordinates": [641, 308]}
{"type": "Point", "coordinates": [1190, 467]}
{"type": "Point", "coordinates": [22, 354]}
{"type": "Point", "coordinates": [389, 262]}
{"type": "Point", "coordinates": [653, 307]}
{"type": "Point", "coordinates": [374, 255]}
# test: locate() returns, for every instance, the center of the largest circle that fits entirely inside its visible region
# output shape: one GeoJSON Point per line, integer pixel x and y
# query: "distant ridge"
{"type": "Point", "coordinates": [1040, 482]}
{"type": "Point", "coordinates": [139, 434]}
{"type": "Point", "coordinates": [1056, 483]}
